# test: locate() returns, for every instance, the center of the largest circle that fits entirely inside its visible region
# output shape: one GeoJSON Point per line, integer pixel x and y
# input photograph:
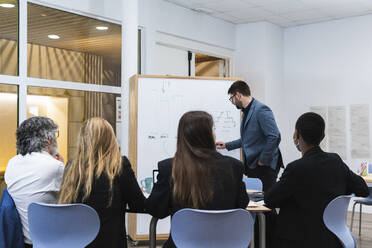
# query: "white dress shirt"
{"type": "Point", "coordinates": [35, 177]}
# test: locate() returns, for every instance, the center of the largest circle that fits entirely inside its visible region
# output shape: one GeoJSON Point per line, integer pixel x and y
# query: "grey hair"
{"type": "Point", "coordinates": [33, 134]}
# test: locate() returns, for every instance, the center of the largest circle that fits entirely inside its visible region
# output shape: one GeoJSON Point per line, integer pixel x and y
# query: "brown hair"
{"type": "Point", "coordinates": [241, 87]}
{"type": "Point", "coordinates": [191, 172]}
{"type": "Point", "coordinates": [97, 153]}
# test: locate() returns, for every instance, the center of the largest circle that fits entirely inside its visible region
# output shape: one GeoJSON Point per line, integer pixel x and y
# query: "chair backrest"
{"type": "Point", "coordinates": [334, 218]}
{"type": "Point", "coordinates": [62, 225]}
{"type": "Point", "coordinates": [205, 228]}
{"type": "Point", "coordinates": [252, 183]}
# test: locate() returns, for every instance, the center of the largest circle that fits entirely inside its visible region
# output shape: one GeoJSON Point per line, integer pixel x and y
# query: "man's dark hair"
{"type": "Point", "coordinates": [241, 87]}
{"type": "Point", "coordinates": [310, 127]}
{"type": "Point", "coordinates": [33, 134]}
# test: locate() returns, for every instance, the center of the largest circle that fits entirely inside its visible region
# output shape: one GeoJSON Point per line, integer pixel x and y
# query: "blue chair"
{"type": "Point", "coordinates": [192, 228]}
{"type": "Point", "coordinates": [62, 225]}
{"type": "Point", "coordinates": [363, 201]}
{"type": "Point", "coordinates": [252, 183]}
{"type": "Point", "coordinates": [334, 218]}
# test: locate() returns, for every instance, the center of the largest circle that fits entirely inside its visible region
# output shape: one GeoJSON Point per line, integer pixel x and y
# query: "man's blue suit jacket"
{"type": "Point", "coordinates": [260, 137]}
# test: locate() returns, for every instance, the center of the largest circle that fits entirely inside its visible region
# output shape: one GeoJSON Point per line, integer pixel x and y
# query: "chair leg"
{"type": "Point", "coordinates": [352, 217]}
{"type": "Point", "coordinates": [360, 219]}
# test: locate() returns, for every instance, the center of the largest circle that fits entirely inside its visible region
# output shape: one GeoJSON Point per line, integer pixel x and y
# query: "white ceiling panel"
{"type": "Point", "coordinates": [281, 12]}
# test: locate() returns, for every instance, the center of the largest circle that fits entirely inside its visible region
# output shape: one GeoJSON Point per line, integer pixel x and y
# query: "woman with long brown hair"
{"type": "Point", "coordinates": [98, 176]}
{"type": "Point", "coordinates": [198, 176]}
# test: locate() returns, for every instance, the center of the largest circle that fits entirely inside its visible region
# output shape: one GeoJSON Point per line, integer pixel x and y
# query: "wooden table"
{"type": "Point", "coordinates": [254, 191]}
{"type": "Point", "coordinates": [260, 211]}
{"type": "Point", "coordinates": [368, 180]}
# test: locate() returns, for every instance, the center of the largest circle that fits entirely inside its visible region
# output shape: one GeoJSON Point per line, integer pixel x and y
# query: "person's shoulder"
{"type": "Point", "coordinates": [125, 163]}
{"type": "Point", "coordinates": [297, 164]}
{"type": "Point", "coordinates": [165, 163]}
{"type": "Point", "coordinates": [261, 106]}
{"type": "Point", "coordinates": [227, 160]}
{"type": "Point", "coordinates": [45, 158]}
{"type": "Point", "coordinates": [334, 156]}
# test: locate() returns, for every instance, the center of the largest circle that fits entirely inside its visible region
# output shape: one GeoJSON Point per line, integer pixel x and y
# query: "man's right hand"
{"type": "Point", "coordinates": [220, 145]}
{"type": "Point", "coordinates": [59, 157]}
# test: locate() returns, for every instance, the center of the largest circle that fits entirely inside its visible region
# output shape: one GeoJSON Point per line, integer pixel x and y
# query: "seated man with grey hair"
{"type": "Point", "coordinates": [35, 174]}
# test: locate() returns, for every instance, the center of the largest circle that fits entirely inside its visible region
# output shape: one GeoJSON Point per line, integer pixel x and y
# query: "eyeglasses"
{"type": "Point", "coordinates": [231, 98]}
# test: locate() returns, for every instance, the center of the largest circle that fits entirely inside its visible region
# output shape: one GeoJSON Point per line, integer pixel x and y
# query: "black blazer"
{"type": "Point", "coordinates": [228, 187]}
{"type": "Point", "coordinates": [303, 192]}
{"type": "Point", "coordinates": [112, 231]}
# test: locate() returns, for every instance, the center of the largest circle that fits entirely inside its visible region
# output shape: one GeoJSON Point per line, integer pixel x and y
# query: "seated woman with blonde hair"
{"type": "Point", "coordinates": [198, 176]}
{"type": "Point", "coordinates": [99, 177]}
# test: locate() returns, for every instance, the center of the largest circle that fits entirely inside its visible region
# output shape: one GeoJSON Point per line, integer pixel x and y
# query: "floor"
{"type": "Point", "coordinates": [364, 241]}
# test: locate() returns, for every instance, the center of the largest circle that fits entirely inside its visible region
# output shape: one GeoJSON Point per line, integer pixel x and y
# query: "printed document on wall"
{"type": "Point", "coordinates": [337, 130]}
{"type": "Point", "coordinates": [359, 123]}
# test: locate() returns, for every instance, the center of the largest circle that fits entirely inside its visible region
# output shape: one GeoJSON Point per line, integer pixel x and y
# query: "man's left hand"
{"type": "Point", "coordinates": [260, 164]}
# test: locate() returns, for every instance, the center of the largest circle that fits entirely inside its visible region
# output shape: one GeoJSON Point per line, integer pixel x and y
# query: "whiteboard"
{"type": "Point", "coordinates": [160, 104]}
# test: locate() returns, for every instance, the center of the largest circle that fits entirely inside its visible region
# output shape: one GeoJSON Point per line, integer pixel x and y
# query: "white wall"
{"type": "Point", "coordinates": [259, 61]}
{"type": "Point", "coordinates": [327, 64]}
{"type": "Point", "coordinates": [171, 61]}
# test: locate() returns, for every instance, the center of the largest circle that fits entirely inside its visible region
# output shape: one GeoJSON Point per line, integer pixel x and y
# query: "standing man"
{"type": "Point", "coordinates": [35, 174]}
{"type": "Point", "coordinates": [260, 136]}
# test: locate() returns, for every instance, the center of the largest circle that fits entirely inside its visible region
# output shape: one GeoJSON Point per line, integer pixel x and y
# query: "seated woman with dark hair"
{"type": "Point", "coordinates": [307, 186]}
{"type": "Point", "coordinates": [198, 176]}
{"type": "Point", "coordinates": [99, 177]}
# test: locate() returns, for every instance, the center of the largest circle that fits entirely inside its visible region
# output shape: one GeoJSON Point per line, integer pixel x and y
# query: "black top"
{"type": "Point", "coordinates": [303, 192]}
{"type": "Point", "coordinates": [228, 187]}
{"type": "Point", "coordinates": [126, 191]}
{"type": "Point", "coordinates": [246, 110]}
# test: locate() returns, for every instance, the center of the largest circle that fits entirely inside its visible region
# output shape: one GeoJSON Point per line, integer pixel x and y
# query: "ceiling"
{"type": "Point", "coordinates": [77, 33]}
{"type": "Point", "coordinates": [284, 13]}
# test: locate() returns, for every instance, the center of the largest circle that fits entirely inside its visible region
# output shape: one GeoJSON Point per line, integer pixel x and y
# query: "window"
{"type": "Point", "coordinates": [70, 47]}
{"type": "Point", "coordinates": [69, 109]}
{"type": "Point", "coordinates": [8, 127]}
{"type": "Point", "coordinates": [9, 38]}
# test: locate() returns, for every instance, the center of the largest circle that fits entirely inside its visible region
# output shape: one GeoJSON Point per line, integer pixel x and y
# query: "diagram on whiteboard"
{"type": "Point", "coordinates": [223, 120]}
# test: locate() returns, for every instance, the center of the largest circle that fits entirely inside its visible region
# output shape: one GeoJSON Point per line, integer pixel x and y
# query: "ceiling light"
{"type": "Point", "coordinates": [53, 37]}
{"type": "Point", "coordinates": [43, 15]}
{"type": "Point", "coordinates": [101, 28]}
{"type": "Point", "coordinates": [7, 5]}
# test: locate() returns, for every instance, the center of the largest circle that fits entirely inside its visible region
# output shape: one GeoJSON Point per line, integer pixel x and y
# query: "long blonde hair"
{"type": "Point", "coordinates": [97, 153]}
{"type": "Point", "coordinates": [191, 170]}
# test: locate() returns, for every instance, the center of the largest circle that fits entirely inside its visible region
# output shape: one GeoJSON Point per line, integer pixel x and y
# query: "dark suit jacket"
{"type": "Point", "coordinates": [303, 192]}
{"type": "Point", "coordinates": [11, 234]}
{"type": "Point", "coordinates": [260, 137]}
{"type": "Point", "coordinates": [229, 190]}
{"type": "Point", "coordinates": [126, 191]}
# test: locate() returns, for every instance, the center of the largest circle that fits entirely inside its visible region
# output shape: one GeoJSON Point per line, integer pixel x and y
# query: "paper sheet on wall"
{"type": "Point", "coordinates": [322, 111]}
{"type": "Point", "coordinates": [359, 123]}
{"type": "Point", "coordinates": [337, 130]}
